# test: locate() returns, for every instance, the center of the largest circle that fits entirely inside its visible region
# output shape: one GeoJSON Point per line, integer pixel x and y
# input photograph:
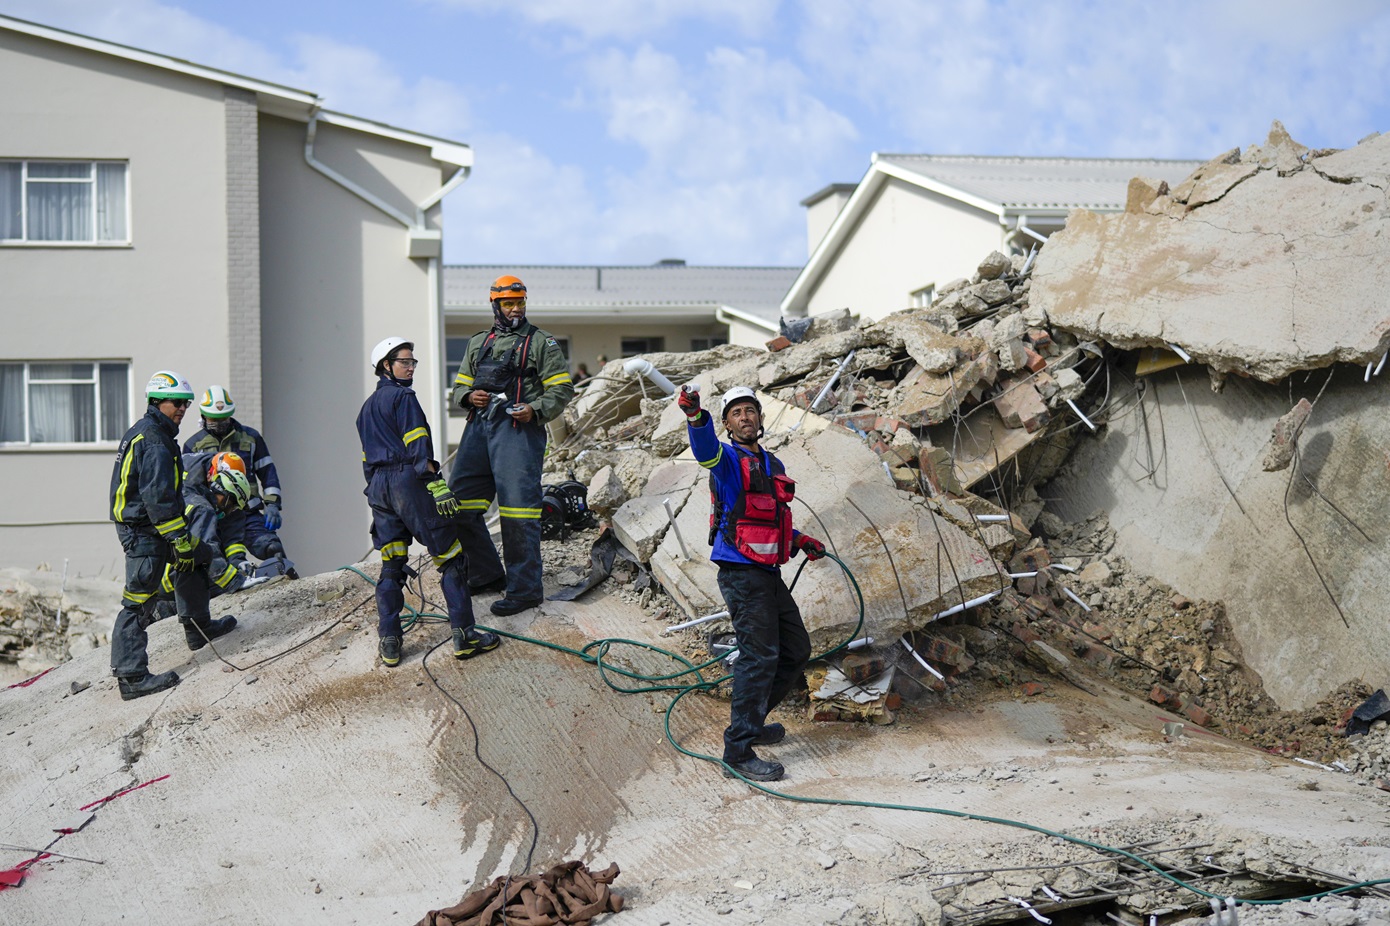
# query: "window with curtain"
{"type": "Point", "coordinates": [64, 402]}
{"type": "Point", "coordinates": [63, 201]}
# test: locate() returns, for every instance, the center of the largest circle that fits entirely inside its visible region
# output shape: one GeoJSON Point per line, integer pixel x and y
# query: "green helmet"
{"type": "Point", "coordinates": [234, 485]}
{"type": "Point", "coordinates": [166, 384]}
{"type": "Point", "coordinates": [217, 403]}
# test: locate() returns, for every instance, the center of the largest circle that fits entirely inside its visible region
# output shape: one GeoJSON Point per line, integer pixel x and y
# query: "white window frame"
{"type": "Point", "coordinates": [711, 341]}
{"type": "Point", "coordinates": [45, 446]}
{"type": "Point", "coordinates": [921, 298]}
{"type": "Point", "coordinates": [91, 180]}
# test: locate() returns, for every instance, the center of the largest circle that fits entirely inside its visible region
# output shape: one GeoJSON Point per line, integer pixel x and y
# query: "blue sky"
{"type": "Point", "coordinates": [627, 131]}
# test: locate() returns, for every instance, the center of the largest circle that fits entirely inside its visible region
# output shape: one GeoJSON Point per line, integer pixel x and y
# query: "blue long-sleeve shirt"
{"type": "Point", "coordinates": [394, 431]}
{"type": "Point", "coordinates": [724, 462]}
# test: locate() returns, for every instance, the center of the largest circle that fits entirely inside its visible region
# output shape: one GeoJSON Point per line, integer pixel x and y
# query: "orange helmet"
{"type": "Point", "coordinates": [221, 462]}
{"type": "Point", "coordinates": [507, 287]}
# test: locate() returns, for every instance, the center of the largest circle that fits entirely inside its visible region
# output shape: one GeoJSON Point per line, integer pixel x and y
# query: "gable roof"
{"type": "Point", "coordinates": [655, 289]}
{"type": "Point", "coordinates": [1014, 184]}
{"type": "Point", "coordinates": [1010, 188]}
{"type": "Point", "coordinates": [271, 98]}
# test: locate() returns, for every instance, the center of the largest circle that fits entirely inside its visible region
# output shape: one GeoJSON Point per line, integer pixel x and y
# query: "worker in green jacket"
{"type": "Point", "coordinates": [513, 379]}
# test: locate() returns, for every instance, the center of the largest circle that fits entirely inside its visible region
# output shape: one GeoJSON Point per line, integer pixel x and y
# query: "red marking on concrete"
{"type": "Point", "coordinates": [100, 801]}
{"type": "Point", "coordinates": [29, 681]}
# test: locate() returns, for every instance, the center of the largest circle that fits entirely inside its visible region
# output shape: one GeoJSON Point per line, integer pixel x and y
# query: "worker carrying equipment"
{"type": "Point", "coordinates": [410, 501]}
{"type": "Point", "coordinates": [752, 534]}
{"type": "Point", "coordinates": [223, 432]}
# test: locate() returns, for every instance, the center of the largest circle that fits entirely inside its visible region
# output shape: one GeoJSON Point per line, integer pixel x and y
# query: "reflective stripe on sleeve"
{"type": "Point", "coordinates": [119, 506]}
{"type": "Point", "coordinates": [236, 549]}
{"type": "Point", "coordinates": [394, 550]}
{"type": "Point", "coordinates": [414, 435]}
{"type": "Point", "coordinates": [167, 583]}
{"type": "Point", "coordinates": [711, 464]}
{"type": "Point", "coordinates": [557, 378]}
{"type": "Point", "coordinates": [226, 577]}
{"type": "Point", "coordinates": [172, 525]}
{"type": "Point", "coordinates": [262, 464]}
{"type": "Point", "coordinates": [519, 512]}
{"type": "Point", "coordinates": [463, 379]}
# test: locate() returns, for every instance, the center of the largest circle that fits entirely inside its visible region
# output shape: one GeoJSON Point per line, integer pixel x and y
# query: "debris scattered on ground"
{"type": "Point", "coordinates": [569, 894]}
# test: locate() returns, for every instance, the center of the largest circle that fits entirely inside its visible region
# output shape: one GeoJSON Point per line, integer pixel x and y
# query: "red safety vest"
{"type": "Point", "coordinates": [759, 525]}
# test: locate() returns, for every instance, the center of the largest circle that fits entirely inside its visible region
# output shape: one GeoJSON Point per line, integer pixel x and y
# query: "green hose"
{"type": "Point", "coordinates": [594, 653]}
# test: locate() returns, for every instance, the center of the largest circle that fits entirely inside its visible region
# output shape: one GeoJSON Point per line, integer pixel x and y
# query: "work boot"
{"type": "Point", "coordinates": [498, 584]}
{"type": "Point", "coordinates": [772, 733]}
{"type": "Point", "coordinates": [755, 769]}
{"type": "Point", "coordinates": [132, 688]}
{"type": "Point", "coordinates": [198, 635]}
{"type": "Point", "coordinates": [469, 642]}
{"type": "Point", "coordinates": [389, 649]}
{"type": "Point", "coordinates": [504, 606]}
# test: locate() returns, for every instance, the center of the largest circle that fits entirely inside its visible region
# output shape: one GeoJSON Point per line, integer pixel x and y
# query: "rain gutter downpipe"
{"type": "Point", "coordinates": [414, 224]}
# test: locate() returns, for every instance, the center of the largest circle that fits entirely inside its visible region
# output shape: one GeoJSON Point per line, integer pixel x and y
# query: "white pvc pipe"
{"type": "Point", "coordinates": [918, 656]}
{"type": "Point", "coordinates": [991, 517]}
{"type": "Point", "coordinates": [1381, 365]}
{"type": "Point", "coordinates": [831, 385]}
{"type": "Point", "coordinates": [644, 367]}
{"type": "Point", "coordinates": [860, 643]}
{"type": "Point", "coordinates": [1080, 415]}
{"type": "Point", "coordinates": [1074, 597]}
{"type": "Point", "coordinates": [966, 606]}
{"type": "Point", "coordinates": [699, 620]}
{"type": "Point", "coordinates": [1186, 357]}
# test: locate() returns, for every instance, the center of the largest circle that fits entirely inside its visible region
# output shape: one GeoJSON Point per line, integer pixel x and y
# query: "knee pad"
{"type": "Point", "coordinates": [273, 548]}
{"type": "Point", "coordinates": [394, 569]}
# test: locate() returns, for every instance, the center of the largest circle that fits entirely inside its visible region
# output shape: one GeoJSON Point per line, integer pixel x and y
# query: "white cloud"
{"type": "Point", "coordinates": [628, 18]}
{"type": "Point", "coordinates": [1101, 78]}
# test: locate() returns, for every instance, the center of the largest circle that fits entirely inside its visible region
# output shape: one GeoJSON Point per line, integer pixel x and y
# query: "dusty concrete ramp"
{"type": "Point", "coordinates": [1262, 263]}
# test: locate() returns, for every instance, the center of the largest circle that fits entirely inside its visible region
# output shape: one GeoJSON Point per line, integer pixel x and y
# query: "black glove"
{"type": "Point", "coordinates": [689, 401]}
{"type": "Point", "coordinates": [812, 547]}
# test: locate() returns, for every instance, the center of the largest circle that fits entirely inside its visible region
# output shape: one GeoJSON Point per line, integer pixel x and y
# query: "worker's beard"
{"type": "Point", "coordinates": [503, 323]}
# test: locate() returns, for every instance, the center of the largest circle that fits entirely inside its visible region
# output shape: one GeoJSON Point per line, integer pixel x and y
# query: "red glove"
{"type": "Point", "coordinates": [812, 547]}
{"type": "Point", "coordinates": [689, 401]}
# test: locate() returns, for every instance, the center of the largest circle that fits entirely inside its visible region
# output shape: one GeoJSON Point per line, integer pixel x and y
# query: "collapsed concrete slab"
{"type": "Point", "coordinates": [1261, 264]}
{"type": "Point", "coordinates": [910, 559]}
{"type": "Point", "coordinates": [1184, 484]}
{"type": "Point", "coordinates": [641, 522]}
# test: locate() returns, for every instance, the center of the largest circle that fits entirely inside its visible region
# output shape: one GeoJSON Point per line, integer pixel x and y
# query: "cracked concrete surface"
{"type": "Point", "coordinates": [1261, 264]}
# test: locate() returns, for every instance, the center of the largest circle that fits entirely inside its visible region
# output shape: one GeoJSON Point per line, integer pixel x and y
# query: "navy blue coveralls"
{"type": "Point", "coordinates": [148, 508]}
{"type": "Point", "coordinates": [248, 443]}
{"type": "Point", "coordinates": [398, 461]}
{"type": "Point", "coordinates": [773, 646]}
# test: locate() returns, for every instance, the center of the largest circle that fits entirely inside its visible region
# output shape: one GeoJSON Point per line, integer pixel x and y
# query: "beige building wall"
{"type": "Point", "coordinates": [335, 280]}
{"type": "Point", "coordinates": [159, 302]}
{"type": "Point", "coordinates": [747, 335]}
{"type": "Point", "coordinates": [906, 238]}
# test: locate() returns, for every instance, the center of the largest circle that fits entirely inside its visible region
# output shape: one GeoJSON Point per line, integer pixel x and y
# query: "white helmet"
{"type": "Point", "coordinates": [736, 395]}
{"type": "Point", "coordinates": [217, 403]}
{"type": "Point", "coordinates": [383, 349]}
{"type": "Point", "coordinates": [166, 384]}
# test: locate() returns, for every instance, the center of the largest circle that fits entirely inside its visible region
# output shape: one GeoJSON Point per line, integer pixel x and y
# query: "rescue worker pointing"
{"type": "Point", "coordinates": [513, 379]}
{"type": "Point", "coordinates": [410, 499]}
{"type": "Point", "coordinates": [751, 532]}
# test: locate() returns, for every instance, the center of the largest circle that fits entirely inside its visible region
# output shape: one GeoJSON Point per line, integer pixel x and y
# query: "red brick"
{"type": "Point", "coordinates": [1027, 585]}
{"type": "Point", "coordinates": [1038, 338]}
{"type": "Point", "coordinates": [1030, 560]}
{"type": "Point", "coordinates": [1037, 605]}
{"type": "Point", "coordinates": [859, 421]}
{"type": "Point", "coordinates": [1160, 695]}
{"type": "Point", "coordinates": [893, 701]}
{"type": "Point", "coordinates": [1036, 363]}
{"type": "Point", "coordinates": [825, 715]}
{"type": "Point", "coordinates": [1032, 688]}
{"type": "Point", "coordinates": [1099, 631]}
{"type": "Point", "coordinates": [860, 668]}
{"type": "Point", "coordinates": [937, 649]}
{"type": "Point", "coordinates": [887, 425]}
{"type": "Point", "coordinates": [779, 343]}
{"type": "Point", "coordinates": [1025, 633]}
{"type": "Point", "coordinates": [1198, 715]}
{"type": "Point", "coordinates": [1020, 405]}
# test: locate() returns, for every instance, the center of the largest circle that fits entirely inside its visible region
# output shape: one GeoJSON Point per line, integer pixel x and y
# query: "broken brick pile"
{"type": "Point", "coordinates": [568, 894]}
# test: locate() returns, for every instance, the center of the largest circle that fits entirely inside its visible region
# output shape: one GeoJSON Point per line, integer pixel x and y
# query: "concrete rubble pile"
{"type": "Point", "coordinates": [920, 443]}
{"type": "Point", "coordinates": [45, 620]}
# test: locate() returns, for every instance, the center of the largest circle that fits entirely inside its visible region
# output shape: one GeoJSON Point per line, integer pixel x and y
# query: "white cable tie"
{"type": "Point", "coordinates": [1381, 365]}
{"type": "Point", "coordinates": [1186, 357]}
{"type": "Point", "coordinates": [1074, 597]}
{"type": "Point", "coordinates": [1031, 912]}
